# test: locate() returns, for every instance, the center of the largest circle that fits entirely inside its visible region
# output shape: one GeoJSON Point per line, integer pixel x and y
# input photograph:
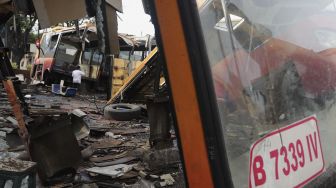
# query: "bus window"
{"type": "Point", "coordinates": [53, 42]}
{"type": "Point", "coordinates": [136, 56]}
{"type": "Point", "coordinates": [66, 57]}
{"type": "Point", "coordinates": [97, 58]}
{"type": "Point", "coordinates": [86, 56]}
{"type": "Point", "coordinates": [124, 55]}
{"type": "Point", "coordinates": [274, 73]}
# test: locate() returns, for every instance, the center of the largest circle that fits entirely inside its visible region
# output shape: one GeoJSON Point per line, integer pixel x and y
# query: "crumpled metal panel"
{"type": "Point", "coordinates": [53, 146]}
{"type": "Point", "coordinates": [79, 124]}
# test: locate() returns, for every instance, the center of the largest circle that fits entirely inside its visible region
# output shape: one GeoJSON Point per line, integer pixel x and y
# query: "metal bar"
{"type": "Point", "coordinates": [12, 98]}
{"type": "Point", "coordinates": [183, 89]}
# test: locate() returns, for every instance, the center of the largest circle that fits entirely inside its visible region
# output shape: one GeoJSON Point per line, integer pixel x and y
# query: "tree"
{"type": "Point", "coordinates": [16, 33]}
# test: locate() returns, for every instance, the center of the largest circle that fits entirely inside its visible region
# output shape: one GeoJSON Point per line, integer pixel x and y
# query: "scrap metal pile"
{"type": "Point", "coordinates": [68, 140]}
{"type": "Point", "coordinates": [73, 144]}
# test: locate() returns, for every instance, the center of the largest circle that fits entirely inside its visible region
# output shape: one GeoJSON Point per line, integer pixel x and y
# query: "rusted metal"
{"type": "Point", "coordinates": [12, 98]}
{"type": "Point", "coordinates": [159, 122]}
{"type": "Point", "coordinates": [54, 147]}
{"type": "Point", "coordinates": [7, 74]}
{"type": "Point", "coordinates": [13, 92]}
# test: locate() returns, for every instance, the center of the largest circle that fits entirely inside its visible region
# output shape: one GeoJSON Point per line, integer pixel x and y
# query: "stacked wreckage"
{"type": "Point", "coordinates": [84, 141]}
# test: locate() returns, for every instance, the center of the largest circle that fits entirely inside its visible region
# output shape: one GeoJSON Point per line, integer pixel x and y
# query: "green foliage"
{"type": "Point", "coordinates": [14, 65]}
{"type": "Point", "coordinates": [29, 66]}
{"type": "Point", "coordinates": [32, 37]}
{"type": "Point", "coordinates": [26, 22]}
{"type": "Point", "coordinates": [17, 34]}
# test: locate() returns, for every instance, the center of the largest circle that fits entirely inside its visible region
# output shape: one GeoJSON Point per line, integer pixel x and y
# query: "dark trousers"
{"type": "Point", "coordinates": [76, 85]}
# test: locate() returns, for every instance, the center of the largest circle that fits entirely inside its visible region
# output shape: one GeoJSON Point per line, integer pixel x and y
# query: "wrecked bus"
{"type": "Point", "coordinates": [62, 49]}
{"type": "Point", "coordinates": [58, 54]}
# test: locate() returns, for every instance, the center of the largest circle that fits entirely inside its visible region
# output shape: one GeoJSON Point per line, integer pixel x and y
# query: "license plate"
{"type": "Point", "coordinates": [287, 157]}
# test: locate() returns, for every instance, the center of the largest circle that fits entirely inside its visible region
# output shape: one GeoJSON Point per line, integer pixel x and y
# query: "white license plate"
{"type": "Point", "coordinates": [287, 157]}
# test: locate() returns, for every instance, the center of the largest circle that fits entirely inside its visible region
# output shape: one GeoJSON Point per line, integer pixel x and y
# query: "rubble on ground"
{"type": "Point", "coordinates": [110, 153]}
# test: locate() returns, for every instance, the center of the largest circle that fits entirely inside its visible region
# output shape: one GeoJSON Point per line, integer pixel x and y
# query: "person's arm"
{"type": "Point", "coordinates": [82, 73]}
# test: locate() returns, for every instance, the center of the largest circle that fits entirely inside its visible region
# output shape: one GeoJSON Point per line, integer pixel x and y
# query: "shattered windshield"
{"type": "Point", "coordinates": [48, 44]}
{"type": "Point", "coordinates": [273, 66]}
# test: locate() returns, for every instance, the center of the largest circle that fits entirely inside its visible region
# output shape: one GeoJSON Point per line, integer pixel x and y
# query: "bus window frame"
{"type": "Point", "coordinates": [178, 33]}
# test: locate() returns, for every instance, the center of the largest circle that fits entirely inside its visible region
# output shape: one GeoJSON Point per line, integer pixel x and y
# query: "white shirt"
{"type": "Point", "coordinates": [77, 76]}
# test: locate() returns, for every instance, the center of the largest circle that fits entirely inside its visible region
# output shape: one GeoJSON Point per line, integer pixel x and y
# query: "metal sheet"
{"type": "Point", "coordinates": [115, 162]}
{"type": "Point", "coordinates": [112, 171]}
{"type": "Point", "coordinates": [53, 146]}
{"type": "Point", "coordinates": [116, 4]}
{"type": "Point", "coordinates": [51, 13]}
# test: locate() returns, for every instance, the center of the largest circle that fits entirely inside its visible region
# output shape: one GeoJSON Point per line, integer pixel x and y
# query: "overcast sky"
{"type": "Point", "coordinates": [134, 20]}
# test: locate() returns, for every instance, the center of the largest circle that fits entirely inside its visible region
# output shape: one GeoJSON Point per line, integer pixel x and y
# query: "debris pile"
{"type": "Point", "coordinates": [73, 144]}
{"type": "Point", "coordinates": [10, 143]}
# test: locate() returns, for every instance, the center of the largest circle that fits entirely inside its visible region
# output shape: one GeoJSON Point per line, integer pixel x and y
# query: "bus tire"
{"type": "Point", "coordinates": [122, 112]}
